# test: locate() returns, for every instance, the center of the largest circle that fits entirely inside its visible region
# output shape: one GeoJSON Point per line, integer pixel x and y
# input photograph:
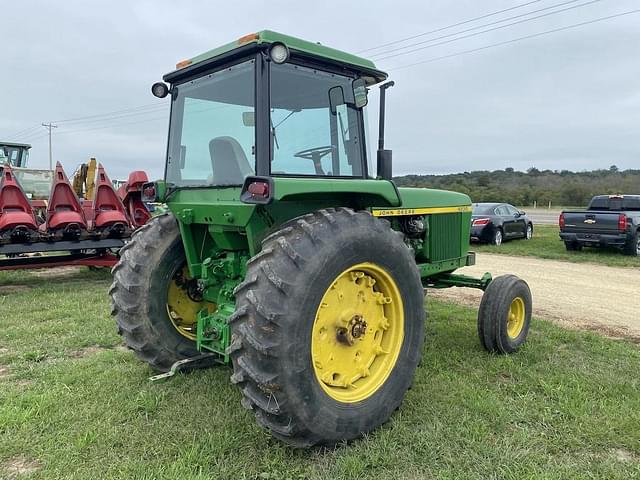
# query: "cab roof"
{"type": "Point", "coordinates": [260, 40]}
{"type": "Point", "coordinates": [14, 144]}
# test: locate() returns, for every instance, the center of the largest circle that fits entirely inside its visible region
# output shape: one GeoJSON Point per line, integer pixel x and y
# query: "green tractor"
{"type": "Point", "coordinates": [16, 154]}
{"type": "Point", "coordinates": [284, 254]}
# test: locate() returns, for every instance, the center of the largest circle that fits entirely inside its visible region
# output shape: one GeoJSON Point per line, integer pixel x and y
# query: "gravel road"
{"type": "Point", "coordinates": [588, 296]}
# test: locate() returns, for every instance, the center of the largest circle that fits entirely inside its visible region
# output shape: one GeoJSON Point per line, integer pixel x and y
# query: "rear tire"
{"type": "Point", "coordinates": [632, 248]}
{"type": "Point", "coordinates": [139, 294]}
{"type": "Point", "coordinates": [505, 314]}
{"type": "Point", "coordinates": [572, 246]}
{"type": "Point", "coordinates": [528, 233]}
{"type": "Point", "coordinates": [277, 323]}
{"type": "Point", "coordinates": [498, 237]}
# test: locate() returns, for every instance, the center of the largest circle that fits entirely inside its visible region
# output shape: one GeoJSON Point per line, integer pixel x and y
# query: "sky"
{"type": "Point", "coordinates": [564, 100]}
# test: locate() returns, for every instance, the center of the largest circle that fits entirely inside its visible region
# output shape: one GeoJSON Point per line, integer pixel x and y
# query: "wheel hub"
{"type": "Point", "coordinates": [515, 318]}
{"type": "Point", "coordinates": [357, 333]}
{"type": "Point", "coordinates": [356, 329]}
{"type": "Point", "coordinates": [184, 301]}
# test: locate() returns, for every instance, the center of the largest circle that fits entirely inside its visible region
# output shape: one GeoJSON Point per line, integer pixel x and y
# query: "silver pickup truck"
{"type": "Point", "coordinates": [609, 221]}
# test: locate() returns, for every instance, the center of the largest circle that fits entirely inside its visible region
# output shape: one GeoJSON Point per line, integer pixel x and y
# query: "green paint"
{"type": "Point", "coordinates": [297, 45]}
{"type": "Point", "coordinates": [220, 233]}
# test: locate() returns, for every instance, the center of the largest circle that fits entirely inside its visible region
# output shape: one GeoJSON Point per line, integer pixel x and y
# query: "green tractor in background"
{"type": "Point", "coordinates": [284, 254]}
{"type": "Point", "coordinates": [15, 154]}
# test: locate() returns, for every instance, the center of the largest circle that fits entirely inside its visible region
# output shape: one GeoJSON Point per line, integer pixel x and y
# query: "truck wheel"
{"type": "Point", "coordinates": [328, 327]}
{"type": "Point", "coordinates": [497, 237]}
{"type": "Point", "coordinates": [153, 298]}
{"type": "Point", "coordinates": [632, 247]}
{"type": "Point", "coordinates": [573, 246]}
{"type": "Point", "coordinates": [505, 314]}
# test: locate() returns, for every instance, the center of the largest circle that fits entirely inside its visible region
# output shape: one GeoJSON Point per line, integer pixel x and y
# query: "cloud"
{"type": "Point", "coordinates": [563, 101]}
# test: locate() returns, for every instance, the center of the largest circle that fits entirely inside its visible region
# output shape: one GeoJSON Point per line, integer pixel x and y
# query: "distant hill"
{"type": "Point", "coordinates": [523, 188]}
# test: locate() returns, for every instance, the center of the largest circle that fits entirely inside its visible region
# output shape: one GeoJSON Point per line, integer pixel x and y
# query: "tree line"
{"type": "Point", "coordinates": [560, 187]}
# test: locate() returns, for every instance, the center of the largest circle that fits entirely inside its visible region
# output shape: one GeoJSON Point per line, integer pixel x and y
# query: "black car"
{"type": "Point", "coordinates": [497, 222]}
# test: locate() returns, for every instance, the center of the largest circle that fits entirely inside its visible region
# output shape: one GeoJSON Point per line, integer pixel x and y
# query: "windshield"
{"type": "Point", "coordinates": [36, 184]}
{"type": "Point", "coordinates": [212, 133]}
{"type": "Point", "coordinates": [307, 137]}
{"type": "Point", "coordinates": [479, 209]}
{"type": "Point", "coordinates": [615, 203]}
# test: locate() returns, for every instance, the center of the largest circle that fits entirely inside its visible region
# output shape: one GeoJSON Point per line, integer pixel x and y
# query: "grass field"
{"type": "Point", "coordinates": [75, 404]}
{"type": "Point", "coordinates": [546, 244]}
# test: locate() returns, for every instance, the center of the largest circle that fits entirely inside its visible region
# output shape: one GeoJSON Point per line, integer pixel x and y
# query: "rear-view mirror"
{"type": "Point", "coordinates": [336, 98]}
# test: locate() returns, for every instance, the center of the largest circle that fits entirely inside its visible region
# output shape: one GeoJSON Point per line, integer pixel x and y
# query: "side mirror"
{"type": "Point", "coordinates": [359, 87]}
{"type": "Point", "coordinates": [336, 98]}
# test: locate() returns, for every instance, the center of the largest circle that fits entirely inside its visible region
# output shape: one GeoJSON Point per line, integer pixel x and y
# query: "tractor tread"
{"type": "Point", "coordinates": [260, 334]}
{"type": "Point", "coordinates": [132, 300]}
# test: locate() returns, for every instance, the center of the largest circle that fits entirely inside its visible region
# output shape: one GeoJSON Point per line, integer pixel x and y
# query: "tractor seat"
{"type": "Point", "coordinates": [230, 164]}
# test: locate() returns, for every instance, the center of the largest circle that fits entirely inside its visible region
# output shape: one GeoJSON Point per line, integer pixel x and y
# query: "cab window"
{"type": "Point", "coordinates": [307, 137]}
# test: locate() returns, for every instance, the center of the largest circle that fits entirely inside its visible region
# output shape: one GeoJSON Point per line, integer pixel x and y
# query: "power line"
{"type": "Point", "coordinates": [115, 125]}
{"type": "Point", "coordinates": [487, 30]}
{"type": "Point", "coordinates": [25, 131]}
{"type": "Point", "coordinates": [159, 108]}
{"type": "Point", "coordinates": [490, 24]}
{"type": "Point", "coordinates": [32, 133]}
{"type": "Point", "coordinates": [514, 40]}
{"type": "Point", "coordinates": [148, 106]}
{"type": "Point", "coordinates": [464, 22]}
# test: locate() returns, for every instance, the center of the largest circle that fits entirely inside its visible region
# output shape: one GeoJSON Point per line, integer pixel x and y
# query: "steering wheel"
{"type": "Point", "coordinates": [316, 154]}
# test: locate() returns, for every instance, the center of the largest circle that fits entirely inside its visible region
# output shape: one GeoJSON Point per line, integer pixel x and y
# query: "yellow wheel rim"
{"type": "Point", "coordinates": [357, 333]}
{"type": "Point", "coordinates": [182, 308]}
{"type": "Point", "coordinates": [515, 320]}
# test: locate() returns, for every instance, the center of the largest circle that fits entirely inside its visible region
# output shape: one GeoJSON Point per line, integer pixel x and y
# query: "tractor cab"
{"type": "Point", "coordinates": [16, 154]}
{"type": "Point", "coordinates": [268, 105]}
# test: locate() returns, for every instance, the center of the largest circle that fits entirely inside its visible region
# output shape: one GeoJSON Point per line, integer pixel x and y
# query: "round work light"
{"type": "Point", "coordinates": [279, 53]}
{"type": "Point", "coordinates": [159, 90]}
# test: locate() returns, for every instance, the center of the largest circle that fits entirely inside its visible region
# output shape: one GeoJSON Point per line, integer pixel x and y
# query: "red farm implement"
{"type": "Point", "coordinates": [54, 223]}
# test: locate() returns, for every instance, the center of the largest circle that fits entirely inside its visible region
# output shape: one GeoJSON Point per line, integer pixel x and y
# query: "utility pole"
{"type": "Point", "coordinates": [49, 126]}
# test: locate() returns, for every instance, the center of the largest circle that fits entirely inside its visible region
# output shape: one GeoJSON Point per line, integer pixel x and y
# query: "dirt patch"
{"type": "Point", "coordinates": [17, 466]}
{"type": "Point", "coordinates": [9, 289]}
{"type": "Point", "coordinates": [86, 351]}
{"type": "Point", "coordinates": [57, 272]}
{"type": "Point", "coordinates": [4, 372]}
{"type": "Point", "coordinates": [581, 296]}
{"type": "Point", "coordinates": [93, 349]}
{"type": "Point", "coordinates": [623, 455]}
{"type": "Point", "coordinates": [3, 350]}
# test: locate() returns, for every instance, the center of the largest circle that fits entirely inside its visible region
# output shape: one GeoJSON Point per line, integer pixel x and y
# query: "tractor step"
{"type": "Point", "coordinates": [199, 361]}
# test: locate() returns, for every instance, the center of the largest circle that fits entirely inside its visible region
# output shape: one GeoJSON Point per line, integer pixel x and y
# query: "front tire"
{"type": "Point", "coordinates": [310, 350]}
{"type": "Point", "coordinates": [144, 299]}
{"type": "Point", "coordinates": [504, 315]}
